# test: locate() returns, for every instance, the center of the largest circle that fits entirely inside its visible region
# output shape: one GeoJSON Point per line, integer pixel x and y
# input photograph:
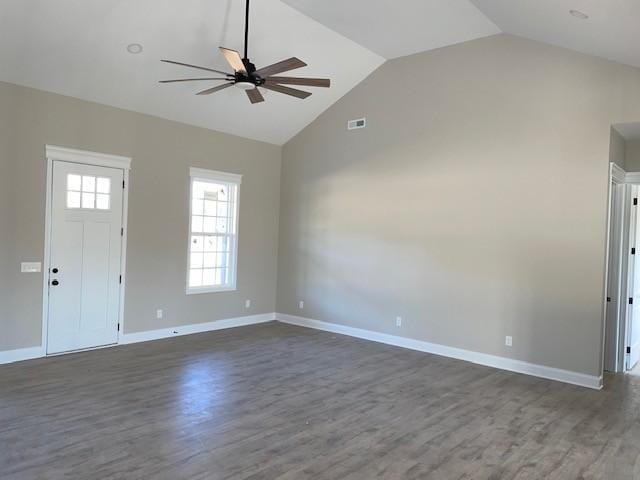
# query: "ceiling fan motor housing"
{"type": "Point", "coordinates": [250, 77]}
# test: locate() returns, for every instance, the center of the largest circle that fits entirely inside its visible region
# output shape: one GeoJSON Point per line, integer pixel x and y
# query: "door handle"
{"type": "Point", "coordinates": [55, 282]}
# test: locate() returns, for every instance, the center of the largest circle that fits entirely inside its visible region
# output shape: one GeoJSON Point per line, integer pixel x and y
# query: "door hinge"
{"type": "Point", "coordinates": [608, 299]}
{"type": "Point", "coordinates": [630, 300]}
{"type": "Point", "coordinates": [122, 232]}
{"type": "Point", "coordinates": [635, 201]}
{"type": "Point", "coordinates": [123, 186]}
{"type": "Point", "coordinates": [118, 327]}
{"type": "Point", "coordinates": [120, 280]}
{"type": "Point", "coordinates": [628, 349]}
{"type": "Point", "coordinates": [633, 251]}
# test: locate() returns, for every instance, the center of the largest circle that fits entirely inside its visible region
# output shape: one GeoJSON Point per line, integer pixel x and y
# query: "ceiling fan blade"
{"type": "Point", "coordinates": [255, 96]}
{"type": "Point", "coordinates": [195, 66]}
{"type": "Point", "coordinates": [310, 82]}
{"type": "Point", "coordinates": [209, 91]}
{"type": "Point", "coordinates": [283, 66]}
{"type": "Point", "coordinates": [193, 79]}
{"type": "Point", "coordinates": [234, 59]}
{"type": "Point", "coordinates": [294, 92]}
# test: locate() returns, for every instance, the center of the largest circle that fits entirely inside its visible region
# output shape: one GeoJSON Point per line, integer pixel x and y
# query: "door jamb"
{"type": "Point", "coordinates": [630, 278]}
{"type": "Point", "coordinates": [53, 153]}
{"type": "Point", "coordinates": [616, 178]}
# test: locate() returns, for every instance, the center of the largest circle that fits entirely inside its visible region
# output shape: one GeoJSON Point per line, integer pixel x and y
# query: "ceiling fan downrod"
{"type": "Point", "coordinates": [246, 33]}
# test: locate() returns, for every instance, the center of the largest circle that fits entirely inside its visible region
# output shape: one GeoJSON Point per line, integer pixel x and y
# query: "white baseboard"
{"type": "Point", "coordinates": [502, 363]}
{"type": "Point", "coordinates": [196, 328]}
{"type": "Point", "coordinates": [10, 356]}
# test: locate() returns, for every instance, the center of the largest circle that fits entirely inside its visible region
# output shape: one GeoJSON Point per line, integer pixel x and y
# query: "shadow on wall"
{"type": "Point", "coordinates": [425, 245]}
{"type": "Point", "coordinates": [473, 204]}
{"type": "Point", "coordinates": [625, 146]}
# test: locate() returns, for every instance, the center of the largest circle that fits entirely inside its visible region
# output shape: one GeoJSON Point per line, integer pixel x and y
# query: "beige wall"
{"type": "Point", "coordinates": [162, 151]}
{"type": "Point", "coordinates": [632, 158]}
{"type": "Point", "coordinates": [473, 205]}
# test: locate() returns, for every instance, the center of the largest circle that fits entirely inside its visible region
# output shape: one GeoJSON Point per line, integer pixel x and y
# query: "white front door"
{"type": "Point", "coordinates": [86, 244]}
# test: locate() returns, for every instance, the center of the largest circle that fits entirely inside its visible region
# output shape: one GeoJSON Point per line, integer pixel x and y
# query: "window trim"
{"type": "Point", "coordinates": [202, 174]}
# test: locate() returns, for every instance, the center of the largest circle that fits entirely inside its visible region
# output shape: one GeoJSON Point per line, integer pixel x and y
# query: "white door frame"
{"type": "Point", "coordinates": [52, 154]}
{"type": "Point", "coordinates": [631, 178]}
{"type": "Point", "coordinates": [617, 176]}
{"type": "Point", "coordinates": [617, 248]}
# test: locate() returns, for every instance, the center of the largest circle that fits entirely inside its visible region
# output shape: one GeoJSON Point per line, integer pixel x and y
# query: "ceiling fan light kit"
{"type": "Point", "coordinates": [246, 77]}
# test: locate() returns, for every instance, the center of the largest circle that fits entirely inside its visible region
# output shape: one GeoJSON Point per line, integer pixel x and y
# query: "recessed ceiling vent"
{"type": "Point", "coordinates": [356, 124]}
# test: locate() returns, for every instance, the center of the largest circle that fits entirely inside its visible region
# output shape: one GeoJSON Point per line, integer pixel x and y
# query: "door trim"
{"type": "Point", "coordinates": [620, 177]}
{"type": "Point", "coordinates": [52, 154]}
{"type": "Point", "coordinates": [619, 195]}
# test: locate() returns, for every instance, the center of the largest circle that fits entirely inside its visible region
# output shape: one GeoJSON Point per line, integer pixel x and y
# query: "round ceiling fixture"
{"type": "Point", "coordinates": [245, 85]}
{"type": "Point", "coordinates": [579, 14]}
{"type": "Point", "coordinates": [134, 48]}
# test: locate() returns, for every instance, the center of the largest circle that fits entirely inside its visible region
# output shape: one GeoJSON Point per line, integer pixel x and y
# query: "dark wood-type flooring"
{"type": "Point", "coordinates": [274, 401]}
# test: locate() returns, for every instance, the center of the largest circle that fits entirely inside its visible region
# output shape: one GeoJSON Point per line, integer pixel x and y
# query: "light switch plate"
{"type": "Point", "coordinates": [30, 267]}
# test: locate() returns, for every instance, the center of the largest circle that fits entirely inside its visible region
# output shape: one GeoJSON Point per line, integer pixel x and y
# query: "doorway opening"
{"type": "Point", "coordinates": [622, 289]}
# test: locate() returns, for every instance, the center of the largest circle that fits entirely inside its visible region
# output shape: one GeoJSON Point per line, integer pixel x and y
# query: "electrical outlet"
{"type": "Point", "coordinates": [159, 313]}
{"type": "Point", "coordinates": [508, 341]}
{"type": "Point", "coordinates": [398, 321]}
{"type": "Point", "coordinates": [301, 304]}
{"type": "Point", "coordinates": [247, 304]}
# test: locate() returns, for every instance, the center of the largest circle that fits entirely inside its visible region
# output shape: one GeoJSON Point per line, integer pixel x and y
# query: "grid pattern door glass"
{"type": "Point", "coordinates": [88, 192]}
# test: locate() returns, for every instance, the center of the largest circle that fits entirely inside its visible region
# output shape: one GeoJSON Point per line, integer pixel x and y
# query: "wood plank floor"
{"type": "Point", "coordinates": [274, 401]}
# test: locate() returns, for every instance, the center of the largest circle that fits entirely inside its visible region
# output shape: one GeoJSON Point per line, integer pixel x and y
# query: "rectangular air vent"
{"type": "Point", "coordinates": [355, 124]}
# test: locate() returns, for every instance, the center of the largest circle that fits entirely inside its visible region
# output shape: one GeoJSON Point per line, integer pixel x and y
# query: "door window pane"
{"type": "Point", "coordinates": [73, 199]}
{"type": "Point", "coordinates": [81, 192]}
{"type": "Point", "coordinates": [103, 185]}
{"type": "Point", "coordinates": [102, 201]}
{"type": "Point", "coordinates": [88, 200]}
{"type": "Point", "coordinates": [88, 183]}
{"type": "Point", "coordinates": [74, 182]}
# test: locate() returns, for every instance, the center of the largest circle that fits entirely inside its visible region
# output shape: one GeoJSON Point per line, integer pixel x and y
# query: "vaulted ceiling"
{"type": "Point", "coordinates": [612, 30]}
{"type": "Point", "coordinates": [78, 47]}
{"type": "Point", "coordinates": [402, 27]}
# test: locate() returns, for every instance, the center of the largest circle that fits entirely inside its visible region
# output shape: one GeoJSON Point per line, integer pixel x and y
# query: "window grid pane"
{"type": "Point", "coordinates": [81, 192]}
{"type": "Point", "coordinates": [212, 234]}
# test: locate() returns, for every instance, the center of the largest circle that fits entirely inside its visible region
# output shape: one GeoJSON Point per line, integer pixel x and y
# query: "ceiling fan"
{"type": "Point", "coordinates": [246, 77]}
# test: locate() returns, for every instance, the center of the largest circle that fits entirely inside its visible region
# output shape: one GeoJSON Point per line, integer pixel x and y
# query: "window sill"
{"type": "Point", "coordinates": [196, 291]}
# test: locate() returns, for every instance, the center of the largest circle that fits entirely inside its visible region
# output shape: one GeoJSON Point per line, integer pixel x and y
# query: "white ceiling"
{"type": "Point", "coordinates": [395, 29]}
{"type": "Point", "coordinates": [78, 48]}
{"type": "Point", "coordinates": [612, 30]}
{"type": "Point", "coordinates": [399, 28]}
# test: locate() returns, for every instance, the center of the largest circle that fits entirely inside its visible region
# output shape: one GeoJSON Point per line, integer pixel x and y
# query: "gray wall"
{"type": "Point", "coordinates": [473, 205]}
{"type": "Point", "coordinates": [632, 155]}
{"type": "Point", "coordinates": [162, 152]}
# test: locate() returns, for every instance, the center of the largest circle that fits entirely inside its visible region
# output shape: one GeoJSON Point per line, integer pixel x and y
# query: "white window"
{"type": "Point", "coordinates": [88, 192]}
{"type": "Point", "coordinates": [213, 231]}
